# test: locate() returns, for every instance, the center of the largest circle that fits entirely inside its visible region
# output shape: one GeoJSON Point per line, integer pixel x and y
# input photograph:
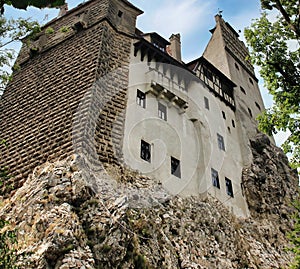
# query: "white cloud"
{"type": "Point", "coordinates": [174, 16]}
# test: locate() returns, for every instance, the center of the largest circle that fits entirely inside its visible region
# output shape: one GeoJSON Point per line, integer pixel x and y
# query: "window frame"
{"type": "Point", "coordinates": [242, 90]}
{"type": "Point", "coordinates": [229, 187]}
{"type": "Point", "coordinates": [215, 178]}
{"type": "Point", "coordinates": [140, 98]}
{"type": "Point", "coordinates": [258, 106]}
{"type": "Point", "coordinates": [145, 151]}
{"type": "Point", "coordinates": [250, 112]}
{"type": "Point", "coordinates": [206, 102]}
{"type": "Point", "coordinates": [162, 114]}
{"type": "Point", "coordinates": [175, 171]}
{"type": "Point", "coordinates": [221, 142]}
{"type": "Point", "coordinates": [224, 115]}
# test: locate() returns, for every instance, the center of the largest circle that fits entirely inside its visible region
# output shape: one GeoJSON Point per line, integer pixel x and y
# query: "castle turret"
{"type": "Point", "coordinates": [232, 58]}
{"type": "Point", "coordinates": [59, 70]}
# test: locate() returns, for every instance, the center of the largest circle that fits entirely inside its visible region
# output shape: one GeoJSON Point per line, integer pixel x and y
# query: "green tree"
{"type": "Point", "coordinates": [12, 30]}
{"type": "Point", "coordinates": [23, 4]}
{"type": "Point", "coordinates": [274, 41]}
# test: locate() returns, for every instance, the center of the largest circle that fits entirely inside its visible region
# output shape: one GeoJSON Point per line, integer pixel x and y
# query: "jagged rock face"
{"type": "Point", "coordinates": [270, 184]}
{"type": "Point", "coordinates": [65, 222]}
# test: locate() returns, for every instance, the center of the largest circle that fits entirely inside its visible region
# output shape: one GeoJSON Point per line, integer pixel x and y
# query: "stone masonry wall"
{"type": "Point", "coordinates": [38, 107]}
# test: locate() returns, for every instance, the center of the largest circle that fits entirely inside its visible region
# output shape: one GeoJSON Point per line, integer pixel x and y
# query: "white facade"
{"type": "Point", "coordinates": [183, 115]}
{"type": "Point", "coordinates": [190, 135]}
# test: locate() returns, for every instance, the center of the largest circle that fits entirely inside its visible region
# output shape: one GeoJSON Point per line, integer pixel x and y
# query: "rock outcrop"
{"type": "Point", "coordinates": [64, 221]}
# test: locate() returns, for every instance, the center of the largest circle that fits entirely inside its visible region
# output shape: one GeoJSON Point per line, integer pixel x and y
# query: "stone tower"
{"type": "Point", "coordinates": [232, 58]}
{"type": "Point", "coordinates": [56, 72]}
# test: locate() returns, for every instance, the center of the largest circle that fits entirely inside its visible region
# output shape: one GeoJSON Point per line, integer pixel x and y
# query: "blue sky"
{"type": "Point", "coordinates": [191, 18]}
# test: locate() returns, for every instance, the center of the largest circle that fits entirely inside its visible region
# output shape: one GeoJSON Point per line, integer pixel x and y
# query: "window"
{"type": "Point", "coordinates": [215, 178]}
{"type": "Point", "coordinates": [233, 123]}
{"type": "Point", "coordinates": [120, 13]}
{"type": "Point", "coordinates": [250, 112]}
{"type": "Point", "coordinates": [162, 111]}
{"type": "Point", "coordinates": [141, 98]}
{"type": "Point", "coordinates": [221, 142]}
{"type": "Point", "coordinates": [229, 189]}
{"type": "Point", "coordinates": [224, 115]}
{"type": "Point", "coordinates": [257, 105]}
{"type": "Point", "coordinates": [251, 81]}
{"type": "Point", "coordinates": [242, 90]}
{"type": "Point", "coordinates": [206, 103]}
{"type": "Point", "coordinates": [236, 66]}
{"type": "Point", "coordinates": [208, 74]}
{"type": "Point", "coordinates": [145, 151]}
{"type": "Point", "coordinates": [175, 167]}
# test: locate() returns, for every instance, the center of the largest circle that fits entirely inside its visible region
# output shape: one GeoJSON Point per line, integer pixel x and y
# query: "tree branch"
{"type": "Point", "coordinates": [284, 74]}
{"type": "Point", "coordinates": [287, 18]}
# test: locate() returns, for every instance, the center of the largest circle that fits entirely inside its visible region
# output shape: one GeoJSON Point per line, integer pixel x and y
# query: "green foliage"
{"type": "Point", "coordinates": [271, 49]}
{"type": "Point", "coordinates": [270, 42]}
{"type": "Point", "coordinates": [294, 237]}
{"type": "Point", "coordinates": [8, 253]}
{"type": "Point", "coordinates": [49, 31]}
{"type": "Point", "coordinates": [13, 30]}
{"type": "Point", "coordinates": [23, 4]}
{"type": "Point", "coordinates": [64, 29]}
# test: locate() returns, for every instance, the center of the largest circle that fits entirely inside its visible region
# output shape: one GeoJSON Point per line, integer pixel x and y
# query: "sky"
{"type": "Point", "coordinates": [191, 18]}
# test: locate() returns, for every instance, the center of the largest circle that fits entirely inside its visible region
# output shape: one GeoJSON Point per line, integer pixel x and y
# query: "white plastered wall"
{"type": "Point", "coordinates": [190, 137]}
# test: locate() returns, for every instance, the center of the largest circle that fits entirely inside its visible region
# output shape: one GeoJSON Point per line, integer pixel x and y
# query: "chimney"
{"type": "Point", "coordinates": [62, 10]}
{"type": "Point", "coordinates": [175, 47]}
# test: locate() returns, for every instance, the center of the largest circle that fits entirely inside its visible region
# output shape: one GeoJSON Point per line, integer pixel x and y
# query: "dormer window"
{"type": "Point", "coordinates": [159, 47]}
{"type": "Point", "coordinates": [157, 41]}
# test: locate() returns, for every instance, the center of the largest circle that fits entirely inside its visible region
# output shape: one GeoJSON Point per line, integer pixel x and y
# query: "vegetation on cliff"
{"type": "Point", "coordinates": [274, 41]}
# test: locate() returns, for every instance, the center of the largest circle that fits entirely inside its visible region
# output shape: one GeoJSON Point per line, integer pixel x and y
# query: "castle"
{"type": "Point", "coordinates": [114, 94]}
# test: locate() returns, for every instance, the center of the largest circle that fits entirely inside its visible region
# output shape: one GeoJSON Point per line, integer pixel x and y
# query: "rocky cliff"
{"type": "Point", "coordinates": [66, 220]}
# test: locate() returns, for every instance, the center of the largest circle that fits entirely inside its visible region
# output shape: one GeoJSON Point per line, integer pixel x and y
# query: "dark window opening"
{"type": "Point", "coordinates": [120, 14]}
{"type": "Point", "coordinates": [221, 142]}
{"type": "Point", "coordinates": [251, 81]}
{"type": "Point", "coordinates": [206, 103]}
{"type": "Point", "coordinates": [233, 123]}
{"type": "Point", "coordinates": [208, 74]}
{"type": "Point", "coordinates": [250, 112]}
{"type": "Point", "coordinates": [175, 167]}
{"type": "Point", "coordinates": [236, 66]}
{"type": "Point", "coordinates": [229, 189]}
{"type": "Point", "coordinates": [242, 90]}
{"type": "Point", "coordinates": [229, 130]}
{"type": "Point", "coordinates": [162, 111]}
{"type": "Point", "coordinates": [141, 98]}
{"type": "Point", "coordinates": [145, 151]}
{"type": "Point", "coordinates": [78, 26]}
{"type": "Point", "coordinates": [215, 178]}
{"type": "Point", "coordinates": [257, 105]}
{"type": "Point", "coordinates": [224, 115]}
